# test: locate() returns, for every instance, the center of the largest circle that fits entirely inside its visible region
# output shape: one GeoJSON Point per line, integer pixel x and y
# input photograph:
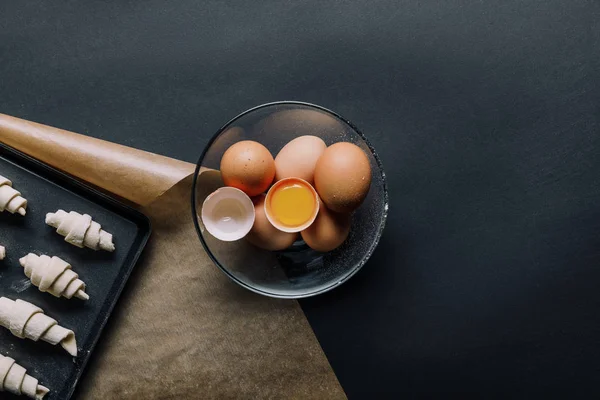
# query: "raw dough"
{"type": "Point", "coordinates": [10, 199]}
{"type": "Point", "coordinates": [80, 230]}
{"type": "Point", "coordinates": [2, 252]}
{"type": "Point", "coordinates": [14, 379]}
{"type": "Point", "coordinates": [53, 275]}
{"type": "Point", "coordinates": [26, 320]}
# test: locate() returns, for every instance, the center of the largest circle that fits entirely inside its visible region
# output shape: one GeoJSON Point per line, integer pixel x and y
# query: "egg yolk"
{"type": "Point", "coordinates": [293, 204]}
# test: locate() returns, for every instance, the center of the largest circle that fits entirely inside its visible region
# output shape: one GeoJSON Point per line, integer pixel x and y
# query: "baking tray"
{"type": "Point", "coordinates": [105, 273]}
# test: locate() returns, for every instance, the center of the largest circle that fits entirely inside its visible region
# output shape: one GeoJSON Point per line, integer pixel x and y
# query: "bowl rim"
{"type": "Point", "coordinates": [374, 244]}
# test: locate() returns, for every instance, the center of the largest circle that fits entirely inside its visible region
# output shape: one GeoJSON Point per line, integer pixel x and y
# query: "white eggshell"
{"type": "Point", "coordinates": [228, 214]}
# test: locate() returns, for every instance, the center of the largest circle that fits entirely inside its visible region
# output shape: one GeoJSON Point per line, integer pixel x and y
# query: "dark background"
{"type": "Point", "coordinates": [485, 115]}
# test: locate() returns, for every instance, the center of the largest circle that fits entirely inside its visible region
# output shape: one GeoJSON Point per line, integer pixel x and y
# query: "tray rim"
{"type": "Point", "coordinates": [59, 177]}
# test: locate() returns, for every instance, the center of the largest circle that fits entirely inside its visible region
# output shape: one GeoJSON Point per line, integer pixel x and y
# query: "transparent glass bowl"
{"type": "Point", "coordinates": [297, 271]}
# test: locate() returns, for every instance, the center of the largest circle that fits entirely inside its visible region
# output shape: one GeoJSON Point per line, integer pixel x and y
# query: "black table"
{"type": "Point", "coordinates": [486, 117]}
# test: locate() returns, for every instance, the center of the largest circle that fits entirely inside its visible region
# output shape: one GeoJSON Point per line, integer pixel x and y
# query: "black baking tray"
{"type": "Point", "coordinates": [105, 274]}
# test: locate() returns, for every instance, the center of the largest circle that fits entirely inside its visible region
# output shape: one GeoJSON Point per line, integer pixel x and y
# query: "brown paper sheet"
{"type": "Point", "coordinates": [181, 330]}
{"type": "Point", "coordinates": [132, 174]}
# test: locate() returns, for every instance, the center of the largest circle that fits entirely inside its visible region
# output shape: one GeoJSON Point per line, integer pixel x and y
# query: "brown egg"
{"type": "Point", "coordinates": [248, 166]}
{"type": "Point", "coordinates": [343, 176]}
{"type": "Point", "coordinates": [265, 235]}
{"type": "Point", "coordinates": [298, 158]}
{"type": "Point", "coordinates": [329, 230]}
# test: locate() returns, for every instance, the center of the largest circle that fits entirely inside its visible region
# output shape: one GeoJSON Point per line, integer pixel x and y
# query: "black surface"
{"type": "Point", "coordinates": [485, 115]}
{"type": "Point", "coordinates": [104, 273]}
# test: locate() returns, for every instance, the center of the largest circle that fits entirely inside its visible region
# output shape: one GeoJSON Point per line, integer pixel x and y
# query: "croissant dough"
{"type": "Point", "coordinates": [53, 275]}
{"type": "Point", "coordinates": [27, 321]}
{"type": "Point", "coordinates": [80, 230]}
{"type": "Point", "coordinates": [14, 379]}
{"type": "Point", "coordinates": [10, 199]}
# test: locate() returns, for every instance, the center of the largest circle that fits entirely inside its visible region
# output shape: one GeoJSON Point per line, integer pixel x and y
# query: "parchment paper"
{"type": "Point", "coordinates": [132, 174]}
{"type": "Point", "coordinates": [181, 330]}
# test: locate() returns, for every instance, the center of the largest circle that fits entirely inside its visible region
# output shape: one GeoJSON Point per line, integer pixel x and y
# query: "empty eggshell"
{"type": "Point", "coordinates": [248, 166]}
{"type": "Point", "coordinates": [265, 235]}
{"type": "Point", "coordinates": [328, 232]}
{"type": "Point", "coordinates": [299, 157]}
{"type": "Point", "coordinates": [228, 214]}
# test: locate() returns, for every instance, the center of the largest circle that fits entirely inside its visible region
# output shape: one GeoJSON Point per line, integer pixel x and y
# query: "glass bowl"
{"type": "Point", "coordinates": [297, 271]}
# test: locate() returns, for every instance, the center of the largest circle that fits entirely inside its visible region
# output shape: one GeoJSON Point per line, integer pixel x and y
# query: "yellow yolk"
{"type": "Point", "coordinates": [293, 204]}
